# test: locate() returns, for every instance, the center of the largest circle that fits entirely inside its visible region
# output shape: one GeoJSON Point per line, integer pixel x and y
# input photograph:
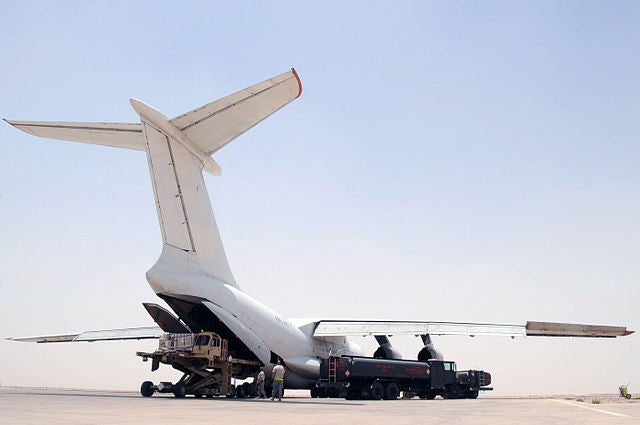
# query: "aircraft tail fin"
{"type": "Point", "coordinates": [178, 150]}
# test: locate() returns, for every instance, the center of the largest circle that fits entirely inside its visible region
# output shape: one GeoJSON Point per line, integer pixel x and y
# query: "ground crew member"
{"type": "Point", "coordinates": [278, 381]}
{"type": "Point", "coordinates": [260, 380]}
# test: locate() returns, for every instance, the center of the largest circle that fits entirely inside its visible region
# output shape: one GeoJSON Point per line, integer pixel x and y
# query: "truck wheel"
{"type": "Point", "coordinates": [353, 393]}
{"type": "Point", "coordinates": [180, 390]}
{"type": "Point", "coordinates": [472, 394]}
{"type": "Point", "coordinates": [391, 391]}
{"type": "Point", "coordinates": [452, 392]}
{"type": "Point", "coordinates": [146, 389]}
{"type": "Point", "coordinates": [376, 391]}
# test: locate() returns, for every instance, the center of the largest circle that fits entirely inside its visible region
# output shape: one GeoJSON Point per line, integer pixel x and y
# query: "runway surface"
{"type": "Point", "coordinates": [54, 406]}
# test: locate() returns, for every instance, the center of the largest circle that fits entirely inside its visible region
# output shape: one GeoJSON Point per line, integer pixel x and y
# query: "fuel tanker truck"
{"type": "Point", "coordinates": [355, 377]}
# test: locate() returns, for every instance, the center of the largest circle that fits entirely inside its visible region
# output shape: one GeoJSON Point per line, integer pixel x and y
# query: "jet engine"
{"type": "Point", "coordinates": [386, 350]}
{"type": "Point", "coordinates": [428, 352]}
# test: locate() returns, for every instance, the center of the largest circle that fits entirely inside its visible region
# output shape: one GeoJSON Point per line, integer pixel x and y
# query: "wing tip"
{"type": "Point", "coordinates": [12, 123]}
{"type": "Point", "coordinates": [295, 74]}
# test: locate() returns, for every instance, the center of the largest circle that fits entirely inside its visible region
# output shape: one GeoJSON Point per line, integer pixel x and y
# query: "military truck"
{"type": "Point", "coordinates": [205, 362]}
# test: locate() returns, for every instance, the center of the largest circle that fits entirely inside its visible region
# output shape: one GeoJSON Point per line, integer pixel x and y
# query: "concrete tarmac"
{"type": "Point", "coordinates": [54, 406]}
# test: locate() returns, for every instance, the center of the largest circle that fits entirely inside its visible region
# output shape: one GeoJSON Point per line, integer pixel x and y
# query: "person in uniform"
{"type": "Point", "coordinates": [278, 381]}
{"type": "Point", "coordinates": [260, 381]}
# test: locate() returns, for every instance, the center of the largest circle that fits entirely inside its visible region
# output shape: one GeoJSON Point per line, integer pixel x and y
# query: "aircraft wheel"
{"type": "Point", "coordinates": [180, 390]}
{"type": "Point", "coordinates": [246, 390]}
{"type": "Point", "coordinates": [232, 392]}
{"type": "Point", "coordinates": [146, 389]}
{"type": "Point", "coordinates": [376, 391]}
{"type": "Point", "coordinates": [240, 391]}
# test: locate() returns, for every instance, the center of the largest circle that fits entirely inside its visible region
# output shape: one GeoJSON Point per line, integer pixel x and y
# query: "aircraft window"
{"type": "Point", "coordinates": [202, 340]}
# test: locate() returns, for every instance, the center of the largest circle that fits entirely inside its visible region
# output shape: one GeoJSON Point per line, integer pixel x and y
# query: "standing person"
{"type": "Point", "coordinates": [260, 381]}
{"type": "Point", "coordinates": [278, 381]}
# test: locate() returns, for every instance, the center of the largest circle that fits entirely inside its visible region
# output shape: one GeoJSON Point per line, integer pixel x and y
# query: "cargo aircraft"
{"type": "Point", "coordinates": [192, 274]}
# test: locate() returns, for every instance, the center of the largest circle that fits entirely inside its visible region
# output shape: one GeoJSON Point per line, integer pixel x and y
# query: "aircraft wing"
{"type": "Point", "coordinates": [97, 133]}
{"type": "Point", "coordinates": [214, 125]}
{"type": "Point", "coordinates": [149, 332]}
{"type": "Point", "coordinates": [326, 328]}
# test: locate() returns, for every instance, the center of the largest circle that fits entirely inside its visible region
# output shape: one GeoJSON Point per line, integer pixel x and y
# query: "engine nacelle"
{"type": "Point", "coordinates": [428, 353]}
{"type": "Point", "coordinates": [387, 352]}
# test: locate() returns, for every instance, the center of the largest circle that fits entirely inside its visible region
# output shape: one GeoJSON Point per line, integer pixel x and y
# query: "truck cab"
{"type": "Point", "coordinates": [209, 345]}
{"type": "Point", "coordinates": [443, 374]}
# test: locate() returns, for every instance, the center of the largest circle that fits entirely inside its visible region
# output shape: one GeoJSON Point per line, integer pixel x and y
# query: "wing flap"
{"type": "Point", "coordinates": [214, 125]}
{"type": "Point", "coordinates": [149, 332]}
{"type": "Point", "coordinates": [327, 328]}
{"type": "Point", "coordinates": [120, 135]}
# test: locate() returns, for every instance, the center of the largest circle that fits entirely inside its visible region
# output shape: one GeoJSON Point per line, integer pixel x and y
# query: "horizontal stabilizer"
{"type": "Point", "coordinates": [119, 135]}
{"type": "Point", "coordinates": [214, 125]}
{"type": "Point", "coordinates": [150, 332]}
{"type": "Point", "coordinates": [365, 328]}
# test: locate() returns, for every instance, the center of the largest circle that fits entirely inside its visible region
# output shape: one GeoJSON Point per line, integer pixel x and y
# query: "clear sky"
{"type": "Point", "coordinates": [463, 161]}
